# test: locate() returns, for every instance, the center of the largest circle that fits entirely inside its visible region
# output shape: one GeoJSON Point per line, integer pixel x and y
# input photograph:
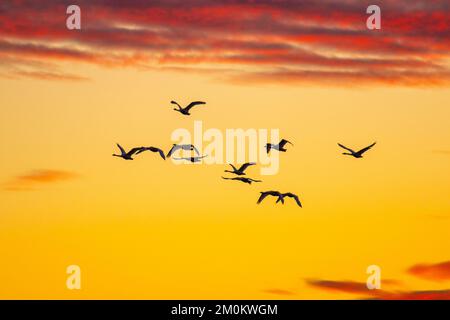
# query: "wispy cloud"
{"type": "Point", "coordinates": [360, 289]}
{"type": "Point", "coordinates": [280, 292]}
{"type": "Point", "coordinates": [417, 295]}
{"type": "Point", "coordinates": [435, 272]}
{"type": "Point", "coordinates": [265, 41]}
{"type": "Point", "coordinates": [33, 179]}
{"type": "Point", "coordinates": [42, 75]}
{"type": "Point", "coordinates": [341, 286]}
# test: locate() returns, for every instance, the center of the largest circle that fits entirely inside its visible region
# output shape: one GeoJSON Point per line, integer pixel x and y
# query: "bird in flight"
{"type": "Point", "coordinates": [127, 155]}
{"type": "Point", "coordinates": [270, 193]}
{"type": "Point", "coordinates": [191, 159]}
{"type": "Point", "coordinates": [188, 147]}
{"type": "Point", "coordinates": [291, 195]}
{"type": "Point", "coordinates": [185, 110]}
{"type": "Point", "coordinates": [240, 171]}
{"type": "Point", "coordinates": [152, 149]}
{"type": "Point", "coordinates": [279, 146]}
{"type": "Point", "coordinates": [243, 179]}
{"type": "Point", "coordinates": [280, 196]}
{"type": "Point", "coordinates": [357, 154]}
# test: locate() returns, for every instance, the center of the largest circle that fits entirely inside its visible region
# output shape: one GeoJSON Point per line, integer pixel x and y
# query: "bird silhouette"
{"type": "Point", "coordinates": [191, 159]}
{"type": "Point", "coordinates": [152, 149]}
{"type": "Point", "coordinates": [187, 147]}
{"type": "Point", "coordinates": [290, 195]}
{"type": "Point", "coordinates": [127, 155]}
{"type": "Point", "coordinates": [185, 110]}
{"type": "Point", "coordinates": [357, 154]}
{"type": "Point", "coordinates": [279, 146]}
{"type": "Point", "coordinates": [270, 193]}
{"type": "Point", "coordinates": [240, 171]}
{"type": "Point", "coordinates": [243, 179]}
{"type": "Point", "coordinates": [280, 196]}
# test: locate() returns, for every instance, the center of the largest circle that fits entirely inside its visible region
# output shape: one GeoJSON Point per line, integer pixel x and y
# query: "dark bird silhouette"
{"type": "Point", "coordinates": [152, 149]}
{"type": "Point", "coordinates": [279, 146]}
{"type": "Point", "coordinates": [357, 154]}
{"type": "Point", "coordinates": [240, 171]}
{"type": "Point", "coordinates": [280, 196]}
{"type": "Point", "coordinates": [127, 155]}
{"type": "Point", "coordinates": [192, 159]}
{"type": "Point", "coordinates": [290, 195]}
{"type": "Point", "coordinates": [186, 109]}
{"type": "Point", "coordinates": [270, 193]}
{"type": "Point", "coordinates": [186, 147]}
{"type": "Point", "coordinates": [243, 179]}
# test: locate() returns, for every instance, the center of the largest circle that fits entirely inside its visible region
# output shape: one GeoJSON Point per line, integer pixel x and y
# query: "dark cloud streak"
{"type": "Point", "coordinates": [360, 289]}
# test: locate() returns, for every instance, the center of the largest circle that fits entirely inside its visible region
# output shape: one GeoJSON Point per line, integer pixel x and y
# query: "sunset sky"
{"type": "Point", "coordinates": [149, 229]}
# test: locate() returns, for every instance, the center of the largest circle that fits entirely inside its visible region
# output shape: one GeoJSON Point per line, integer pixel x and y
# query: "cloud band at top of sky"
{"type": "Point", "coordinates": [257, 41]}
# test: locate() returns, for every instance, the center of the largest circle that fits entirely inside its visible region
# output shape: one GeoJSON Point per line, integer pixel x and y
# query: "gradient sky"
{"type": "Point", "coordinates": [150, 229]}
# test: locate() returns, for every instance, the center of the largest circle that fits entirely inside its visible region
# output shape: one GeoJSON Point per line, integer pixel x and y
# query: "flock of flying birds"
{"type": "Point", "coordinates": [237, 172]}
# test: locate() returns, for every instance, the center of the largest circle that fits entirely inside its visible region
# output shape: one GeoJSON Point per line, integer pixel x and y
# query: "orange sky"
{"type": "Point", "coordinates": [147, 229]}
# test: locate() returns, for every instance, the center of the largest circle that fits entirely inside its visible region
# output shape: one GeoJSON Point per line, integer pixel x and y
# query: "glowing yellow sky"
{"type": "Point", "coordinates": [149, 229]}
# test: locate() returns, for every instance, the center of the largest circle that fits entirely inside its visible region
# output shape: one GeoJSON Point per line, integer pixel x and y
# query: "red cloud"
{"type": "Point", "coordinates": [417, 295]}
{"type": "Point", "coordinates": [436, 272]}
{"type": "Point", "coordinates": [309, 41]}
{"type": "Point", "coordinates": [360, 289]}
{"type": "Point", "coordinates": [30, 180]}
{"type": "Point", "coordinates": [281, 292]}
{"type": "Point", "coordinates": [341, 286]}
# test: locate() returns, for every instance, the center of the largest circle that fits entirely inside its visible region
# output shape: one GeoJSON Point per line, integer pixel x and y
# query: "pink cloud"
{"type": "Point", "coordinates": [301, 41]}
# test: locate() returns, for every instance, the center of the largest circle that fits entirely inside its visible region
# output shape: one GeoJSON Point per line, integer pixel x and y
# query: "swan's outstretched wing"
{"type": "Point", "coordinates": [344, 147]}
{"type": "Point", "coordinates": [193, 104]}
{"type": "Point", "coordinates": [245, 166]}
{"type": "Point", "coordinates": [195, 149]}
{"type": "Point", "coordinates": [262, 197]}
{"type": "Point", "coordinates": [291, 195]}
{"type": "Point", "coordinates": [136, 150]}
{"type": "Point", "coordinates": [283, 143]}
{"type": "Point", "coordinates": [122, 150]}
{"type": "Point", "coordinates": [267, 193]}
{"type": "Point", "coordinates": [144, 149]}
{"type": "Point", "coordinates": [298, 201]}
{"type": "Point", "coordinates": [280, 198]}
{"type": "Point", "coordinates": [175, 103]}
{"type": "Point", "coordinates": [253, 180]}
{"type": "Point", "coordinates": [161, 153]}
{"type": "Point", "coordinates": [234, 168]}
{"type": "Point", "coordinates": [174, 148]}
{"type": "Point", "coordinates": [366, 148]}
{"type": "Point", "coordinates": [154, 149]}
